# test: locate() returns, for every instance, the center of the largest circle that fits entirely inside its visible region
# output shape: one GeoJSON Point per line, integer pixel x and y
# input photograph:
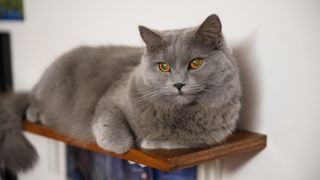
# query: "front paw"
{"type": "Point", "coordinates": [113, 139]}
{"type": "Point", "coordinates": [163, 144]}
{"type": "Point", "coordinates": [156, 144]}
{"type": "Point", "coordinates": [116, 145]}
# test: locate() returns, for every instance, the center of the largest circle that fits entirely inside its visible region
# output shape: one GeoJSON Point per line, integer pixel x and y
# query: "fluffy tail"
{"type": "Point", "coordinates": [16, 152]}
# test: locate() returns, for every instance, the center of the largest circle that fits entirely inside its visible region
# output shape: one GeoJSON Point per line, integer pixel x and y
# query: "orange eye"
{"type": "Point", "coordinates": [196, 63]}
{"type": "Point", "coordinates": [164, 67]}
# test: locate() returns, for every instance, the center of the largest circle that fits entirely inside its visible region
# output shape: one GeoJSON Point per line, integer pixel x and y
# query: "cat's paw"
{"type": "Point", "coordinates": [156, 144]}
{"type": "Point", "coordinates": [113, 139]}
{"type": "Point", "coordinates": [163, 144]}
{"type": "Point", "coordinates": [115, 145]}
{"type": "Point", "coordinates": [34, 115]}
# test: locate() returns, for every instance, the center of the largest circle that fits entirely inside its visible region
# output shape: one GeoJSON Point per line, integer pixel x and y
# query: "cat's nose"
{"type": "Point", "coordinates": [179, 85]}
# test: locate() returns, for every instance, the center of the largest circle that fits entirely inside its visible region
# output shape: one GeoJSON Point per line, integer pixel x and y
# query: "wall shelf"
{"type": "Point", "coordinates": [168, 160]}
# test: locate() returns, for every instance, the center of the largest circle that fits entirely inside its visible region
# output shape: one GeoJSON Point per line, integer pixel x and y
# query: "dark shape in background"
{"type": "Point", "coordinates": [5, 63]}
{"type": "Point", "coordinates": [11, 10]}
{"type": "Point", "coordinates": [5, 86]}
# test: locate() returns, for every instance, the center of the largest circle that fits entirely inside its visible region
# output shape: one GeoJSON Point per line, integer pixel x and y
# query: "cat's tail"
{"type": "Point", "coordinates": [16, 152]}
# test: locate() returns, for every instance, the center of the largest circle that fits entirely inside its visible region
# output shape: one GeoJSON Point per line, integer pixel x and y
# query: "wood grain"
{"type": "Point", "coordinates": [167, 160]}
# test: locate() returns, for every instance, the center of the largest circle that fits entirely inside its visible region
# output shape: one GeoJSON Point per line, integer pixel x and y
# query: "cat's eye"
{"type": "Point", "coordinates": [196, 63]}
{"type": "Point", "coordinates": [164, 67]}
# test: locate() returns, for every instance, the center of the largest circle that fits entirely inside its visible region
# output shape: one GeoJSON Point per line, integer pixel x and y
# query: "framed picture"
{"type": "Point", "coordinates": [11, 10]}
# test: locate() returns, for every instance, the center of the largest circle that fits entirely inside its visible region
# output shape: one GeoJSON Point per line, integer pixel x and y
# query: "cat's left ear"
{"type": "Point", "coordinates": [154, 41]}
{"type": "Point", "coordinates": [210, 30]}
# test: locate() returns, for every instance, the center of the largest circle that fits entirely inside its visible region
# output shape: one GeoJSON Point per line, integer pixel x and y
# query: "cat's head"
{"type": "Point", "coordinates": [186, 65]}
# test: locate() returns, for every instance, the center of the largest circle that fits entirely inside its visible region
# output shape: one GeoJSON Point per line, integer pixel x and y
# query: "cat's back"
{"type": "Point", "coordinates": [70, 88]}
{"type": "Point", "coordinates": [85, 64]}
{"type": "Point", "coordinates": [101, 57]}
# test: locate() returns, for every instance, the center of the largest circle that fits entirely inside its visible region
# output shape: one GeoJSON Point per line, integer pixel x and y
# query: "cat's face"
{"type": "Point", "coordinates": [185, 65]}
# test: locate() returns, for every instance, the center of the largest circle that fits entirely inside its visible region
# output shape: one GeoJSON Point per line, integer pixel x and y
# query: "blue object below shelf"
{"type": "Point", "coordinates": [84, 164]}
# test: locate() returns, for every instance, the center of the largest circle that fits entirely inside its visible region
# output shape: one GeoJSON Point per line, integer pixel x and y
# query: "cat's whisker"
{"type": "Point", "coordinates": [144, 94]}
{"type": "Point", "coordinates": [148, 96]}
{"type": "Point", "coordinates": [197, 88]}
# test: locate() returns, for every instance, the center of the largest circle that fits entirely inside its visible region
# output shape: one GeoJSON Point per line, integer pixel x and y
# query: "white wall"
{"type": "Point", "coordinates": [278, 42]}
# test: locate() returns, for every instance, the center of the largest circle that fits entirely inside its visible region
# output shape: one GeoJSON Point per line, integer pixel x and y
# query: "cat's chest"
{"type": "Point", "coordinates": [150, 118]}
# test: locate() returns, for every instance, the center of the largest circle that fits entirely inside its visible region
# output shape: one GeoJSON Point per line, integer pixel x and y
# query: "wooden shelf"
{"type": "Point", "coordinates": [168, 160]}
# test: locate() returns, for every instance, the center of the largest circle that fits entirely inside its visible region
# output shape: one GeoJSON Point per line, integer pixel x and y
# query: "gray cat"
{"type": "Point", "coordinates": [181, 91]}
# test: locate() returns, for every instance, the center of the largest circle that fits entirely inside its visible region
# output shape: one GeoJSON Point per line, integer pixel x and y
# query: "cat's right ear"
{"type": "Point", "coordinates": [210, 30]}
{"type": "Point", "coordinates": [154, 41]}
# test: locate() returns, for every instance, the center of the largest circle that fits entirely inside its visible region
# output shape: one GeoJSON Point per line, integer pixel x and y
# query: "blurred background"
{"type": "Point", "coordinates": [277, 44]}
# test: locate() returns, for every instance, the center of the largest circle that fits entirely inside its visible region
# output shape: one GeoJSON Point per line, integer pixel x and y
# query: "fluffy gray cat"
{"type": "Point", "coordinates": [181, 91]}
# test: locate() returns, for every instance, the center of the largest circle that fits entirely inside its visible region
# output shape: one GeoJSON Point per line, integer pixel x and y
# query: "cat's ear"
{"type": "Point", "coordinates": [210, 30]}
{"type": "Point", "coordinates": [154, 41]}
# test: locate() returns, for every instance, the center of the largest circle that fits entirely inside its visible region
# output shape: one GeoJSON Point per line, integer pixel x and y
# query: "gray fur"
{"type": "Point", "coordinates": [16, 152]}
{"type": "Point", "coordinates": [117, 95]}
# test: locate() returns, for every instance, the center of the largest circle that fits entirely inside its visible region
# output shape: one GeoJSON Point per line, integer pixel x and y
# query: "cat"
{"type": "Point", "coordinates": [182, 90]}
